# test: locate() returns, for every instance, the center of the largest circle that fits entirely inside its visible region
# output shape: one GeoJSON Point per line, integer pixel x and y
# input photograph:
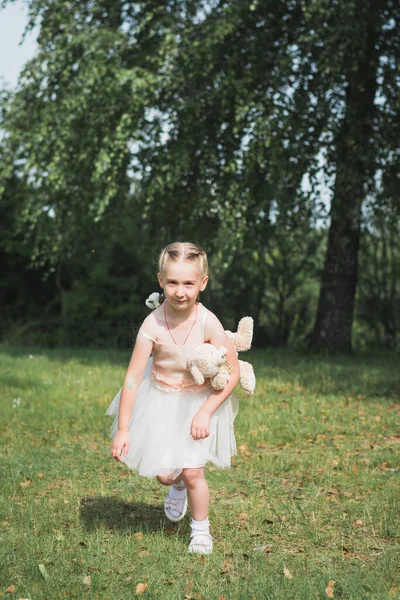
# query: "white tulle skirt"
{"type": "Point", "coordinates": [160, 440]}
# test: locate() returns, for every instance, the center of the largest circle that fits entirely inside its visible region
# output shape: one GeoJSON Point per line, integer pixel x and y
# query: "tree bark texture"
{"type": "Point", "coordinates": [354, 162]}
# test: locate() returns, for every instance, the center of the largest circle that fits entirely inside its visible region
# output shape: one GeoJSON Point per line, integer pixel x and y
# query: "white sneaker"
{"type": "Point", "coordinates": [202, 543]}
{"type": "Point", "coordinates": [175, 509]}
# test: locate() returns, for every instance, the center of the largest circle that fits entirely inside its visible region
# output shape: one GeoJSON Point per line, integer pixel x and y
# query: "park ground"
{"type": "Point", "coordinates": [309, 509]}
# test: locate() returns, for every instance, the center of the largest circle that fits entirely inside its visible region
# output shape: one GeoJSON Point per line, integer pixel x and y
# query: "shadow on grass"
{"type": "Point", "coordinates": [118, 515]}
{"type": "Point", "coordinates": [367, 375]}
{"type": "Point", "coordinates": [83, 356]}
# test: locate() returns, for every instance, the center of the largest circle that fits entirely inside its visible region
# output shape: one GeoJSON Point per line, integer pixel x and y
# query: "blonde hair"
{"type": "Point", "coordinates": [184, 251]}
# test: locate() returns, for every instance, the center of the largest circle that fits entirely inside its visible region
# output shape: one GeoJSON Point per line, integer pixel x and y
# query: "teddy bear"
{"type": "Point", "coordinates": [241, 340]}
{"type": "Point", "coordinates": [209, 361]}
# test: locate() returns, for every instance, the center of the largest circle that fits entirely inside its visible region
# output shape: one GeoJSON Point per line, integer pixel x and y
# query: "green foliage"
{"type": "Point", "coordinates": [83, 95]}
{"type": "Point", "coordinates": [275, 281]}
{"type": "Point", "coordinates": [139, 123]}
{"type": "Point", "coordinates": [379, 289]}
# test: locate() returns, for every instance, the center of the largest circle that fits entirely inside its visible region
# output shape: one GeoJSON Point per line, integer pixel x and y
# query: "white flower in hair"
{"type": "Point", "coordinates": [153, 301]}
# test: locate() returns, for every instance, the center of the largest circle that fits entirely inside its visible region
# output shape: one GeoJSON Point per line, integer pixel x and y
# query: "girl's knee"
{"type": "Point", "coordinates": [192, 476]}
{"type": "Point", "coordinates": [165, 480]}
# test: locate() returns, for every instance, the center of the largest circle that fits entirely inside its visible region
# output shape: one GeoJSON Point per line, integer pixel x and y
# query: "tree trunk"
{"type": "Point", "coordinates": [63, 337]}
{"type": "Point", "coordinates": [354, 162]}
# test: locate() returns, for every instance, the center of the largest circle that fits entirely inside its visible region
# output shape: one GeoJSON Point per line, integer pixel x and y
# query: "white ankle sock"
{"type": "Point", "coordinates": [177, 491]}
{"type": "Point", "coordinates": [200, 526]}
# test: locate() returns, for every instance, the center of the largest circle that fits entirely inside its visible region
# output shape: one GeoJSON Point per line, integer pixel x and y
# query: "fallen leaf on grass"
{"type": "Point", "coordinates": [189, 583]}
{"type": "Point", "coordinates": [25, 483]}
{"type": "Point", "coordinates": [287, 573]}
{"type": "Point", "coordinates": [359, 523]}
{"type": "Point", "coordinates": [44, 572]}
{"type": "Point", "coordinates": [392, 438]}
{"type": "Point", "coordinates": [354, 468]}
{"type": "Point", "coordinates": [227, 566]}
{"type": "Point", "coordinates": [329, 591]}
{"type": "Point", "coordinates": [244, 450]}
{"type": "Point", "coordinates": [382, 467]}
{"type": "Point", "coordinates": [375, 548]}
{"type": "Point", "coordinates": [170, 530]}
{"type": "Point", "coordinates": [144, 553]}
{"type": "Point", "coordinates": [141, 588]}
{"type": "Point", "coordinates": [138, 535]}
{"type": "Point", "coordinates": [87, 580]}
{"type": "Point", "coordinates": [11, 589]}
{"type": "Point", "coordinates": [394, 590]}
{"type": "Point", "coordinates": [263, 548]}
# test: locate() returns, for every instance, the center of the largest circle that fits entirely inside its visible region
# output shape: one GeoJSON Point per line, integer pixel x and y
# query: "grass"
{"type": "Point", "coordinates": [309, 509]}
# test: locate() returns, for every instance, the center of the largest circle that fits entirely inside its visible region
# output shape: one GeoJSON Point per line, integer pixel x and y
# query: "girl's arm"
{"type": "Point", "coordinates": [134, 374]}
{"type": "Point", "coordinates": [216, 335]}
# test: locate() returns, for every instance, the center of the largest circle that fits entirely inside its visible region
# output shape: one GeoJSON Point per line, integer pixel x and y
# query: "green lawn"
{"type": "Point", "coordinates": [310, 508]}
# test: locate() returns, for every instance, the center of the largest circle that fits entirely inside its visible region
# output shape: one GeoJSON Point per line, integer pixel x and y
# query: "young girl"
{"type": "Point", "coordinates": [166, 425]}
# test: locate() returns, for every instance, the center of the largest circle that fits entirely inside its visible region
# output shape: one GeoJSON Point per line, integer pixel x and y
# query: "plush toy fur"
{"type": "Point", "coordinates": [208, 361]}
{"type": "Point", "coordinates": [241, 341]}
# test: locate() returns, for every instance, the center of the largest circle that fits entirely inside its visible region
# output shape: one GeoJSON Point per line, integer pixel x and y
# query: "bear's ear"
{"type": "Point", "coordinates": [244, 335]}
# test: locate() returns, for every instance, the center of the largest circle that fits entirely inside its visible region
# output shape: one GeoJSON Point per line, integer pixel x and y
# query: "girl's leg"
{"type": "Point", "coordinates": [199, 499]}
{"type": "Point", "coordinates": [198, 493]}
{"type": "Point", "coordinates": [175, 504]}
{"type": "Point", "coordinates": [169, 480]}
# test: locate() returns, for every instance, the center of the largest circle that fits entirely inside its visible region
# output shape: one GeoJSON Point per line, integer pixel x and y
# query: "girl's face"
{"type": "Point", "coordinates": [182, 282]}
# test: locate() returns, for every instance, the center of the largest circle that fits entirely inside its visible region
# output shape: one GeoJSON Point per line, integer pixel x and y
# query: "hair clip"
{"type": "Point", "coordinates": [154, 300]}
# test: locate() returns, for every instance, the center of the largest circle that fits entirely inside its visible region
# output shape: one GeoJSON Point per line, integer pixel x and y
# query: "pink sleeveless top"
{"type": "Point", "coordinates": [170, 371]}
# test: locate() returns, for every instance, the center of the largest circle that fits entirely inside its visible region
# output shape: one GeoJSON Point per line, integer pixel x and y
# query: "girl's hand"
{"type": "Point", "coordinates": [200, 427]}
{"type": "Point", "coordinates": [120, 444]}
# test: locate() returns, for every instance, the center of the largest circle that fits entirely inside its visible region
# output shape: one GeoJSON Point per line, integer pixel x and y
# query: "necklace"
{"type": "Point", "coordinates": [190, 330]}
